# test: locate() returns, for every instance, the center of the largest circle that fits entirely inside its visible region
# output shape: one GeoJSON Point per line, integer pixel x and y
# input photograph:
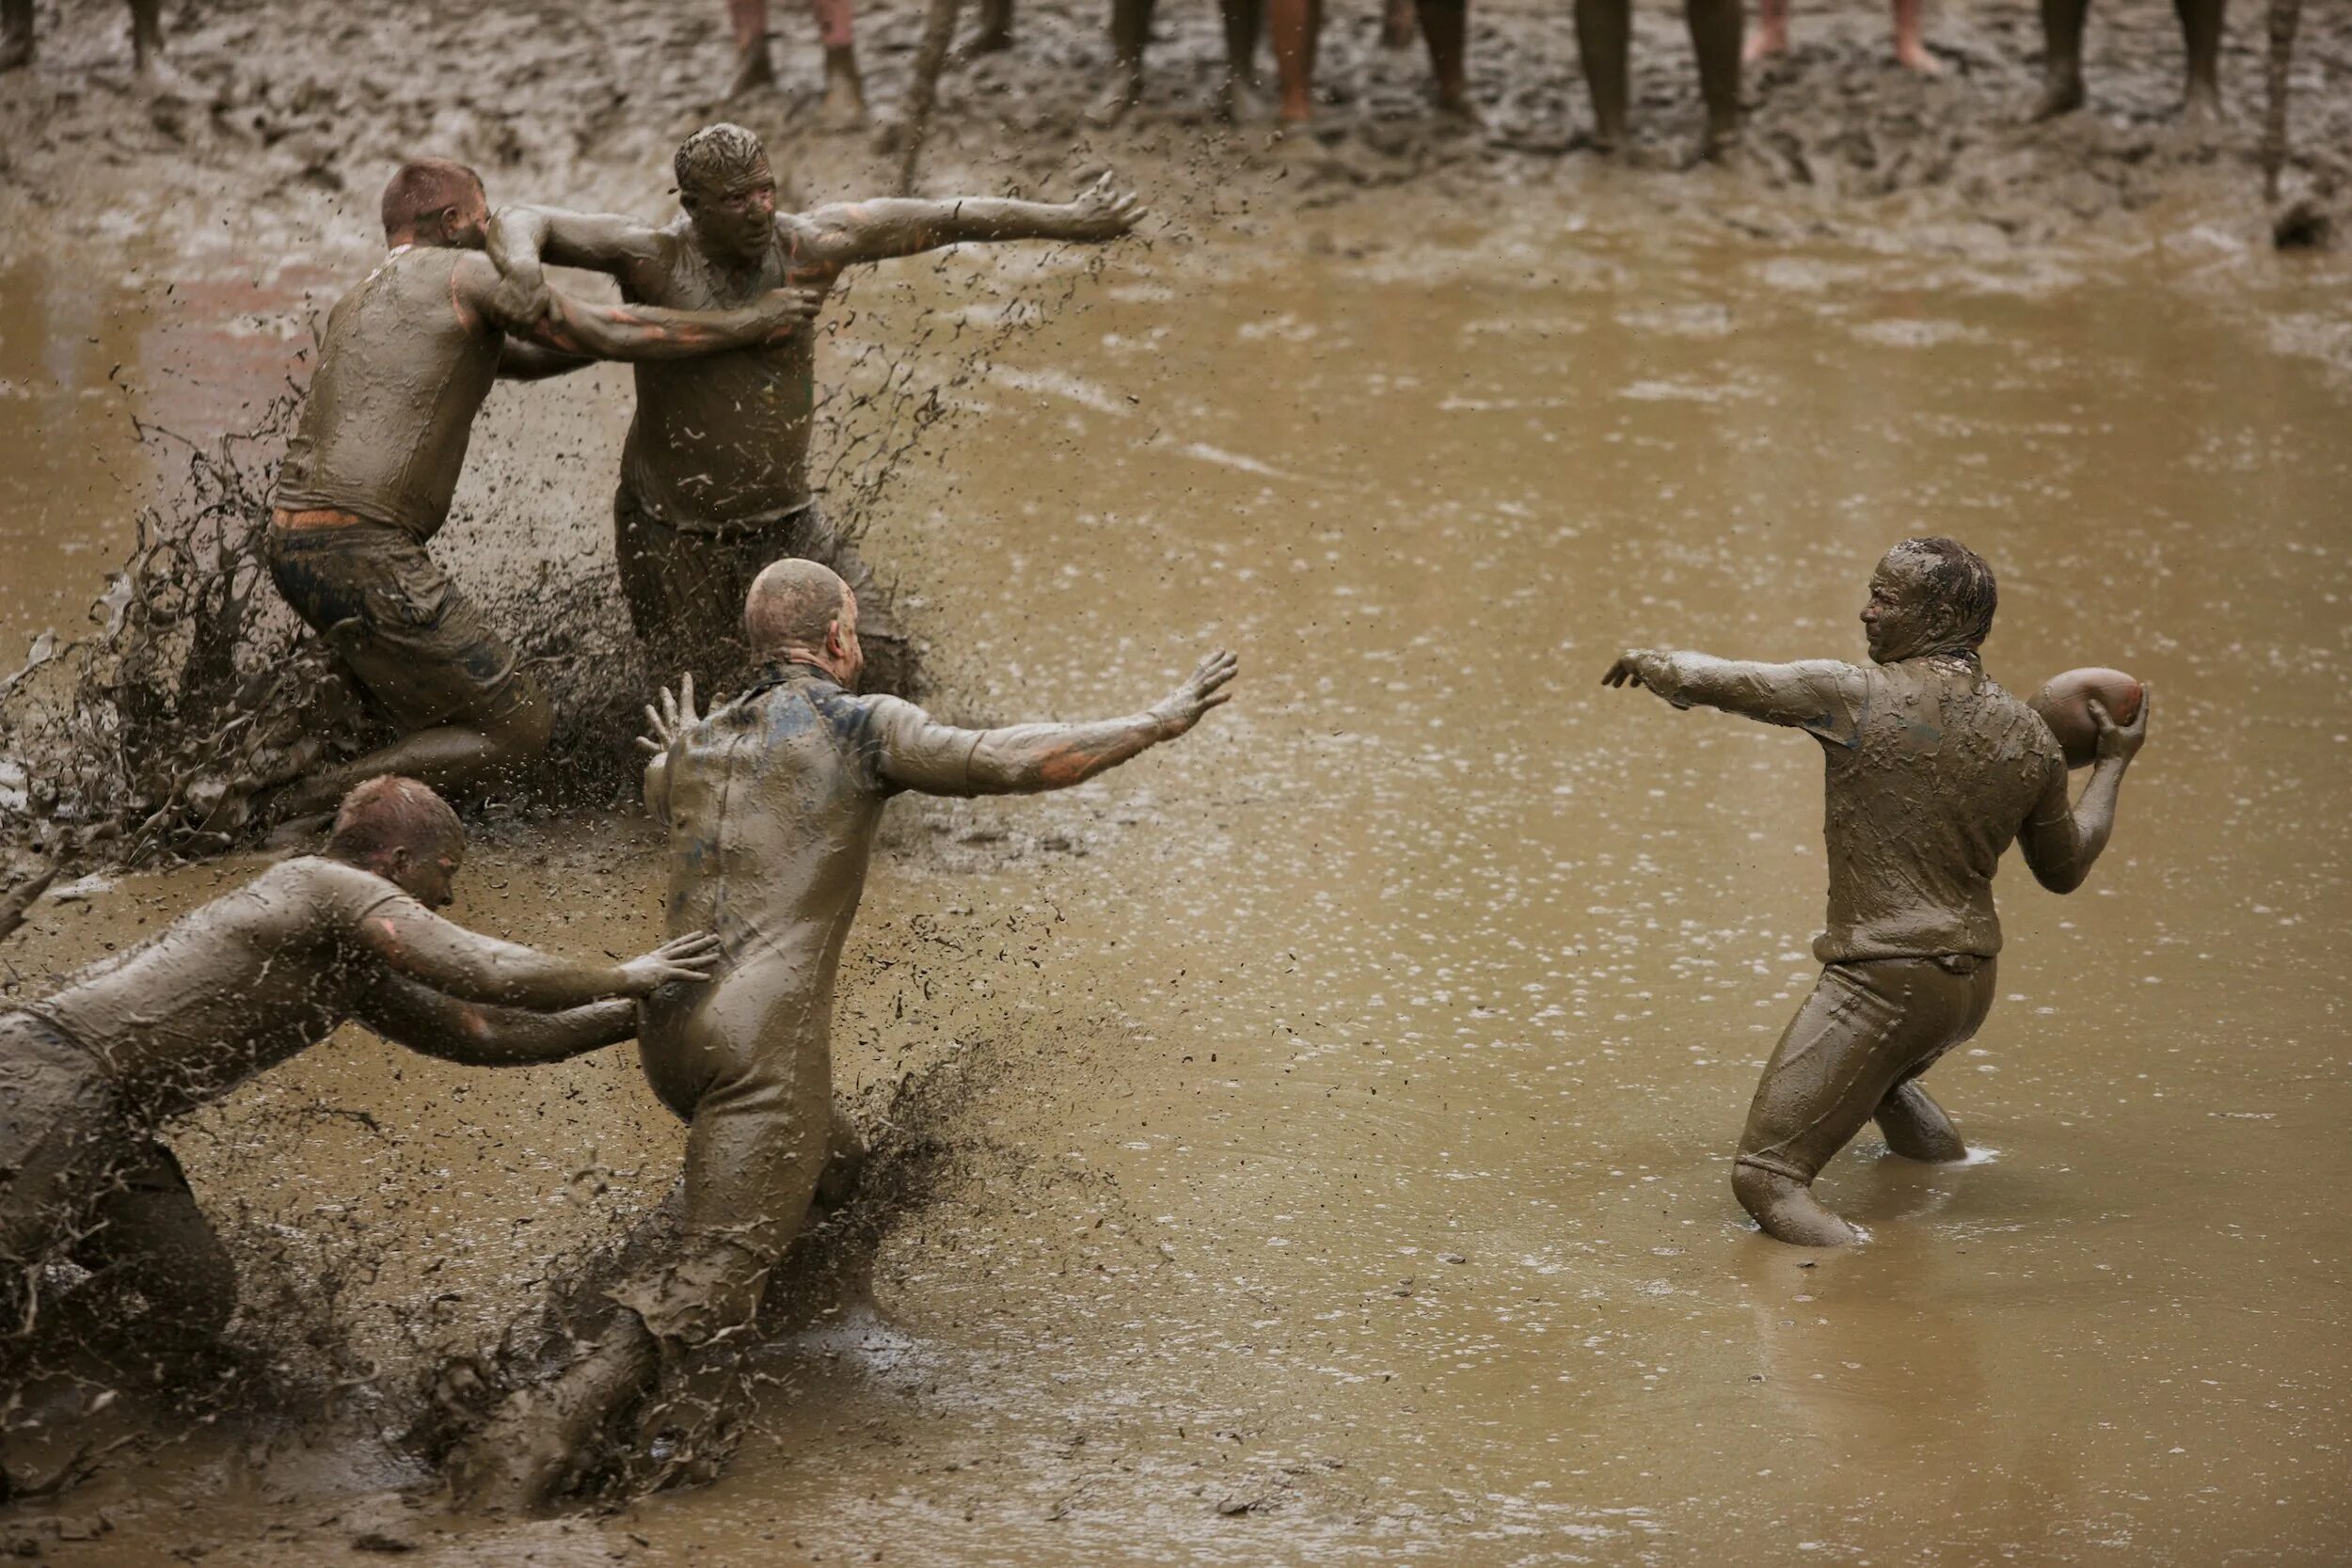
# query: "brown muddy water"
{"type": "Point", "coordinates": [1341, 1170]}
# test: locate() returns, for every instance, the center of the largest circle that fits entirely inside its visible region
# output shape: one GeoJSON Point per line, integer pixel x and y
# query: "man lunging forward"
{"type": "Point", "coordinates": [1932, 769]}
{"type": "Point", "coordinates": [714, 475]}
{"type": "Point", "coordinates": [409, 355]}
{"type": "Point", "coordinates": [771, 801]}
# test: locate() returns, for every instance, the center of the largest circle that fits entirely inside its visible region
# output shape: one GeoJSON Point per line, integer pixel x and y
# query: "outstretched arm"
{"type": "Point", "coordinates": [479, 1035]}
{"type": "Point", "coordinates": [574, 326]}
{"type": "Point", "coordinates": [524, 238]}
{"type": "Point", "coordinates": [847, 234]}
{"type": "Point", "coordinates": [1027, 759]}
{"type": "Point", "coordinates": [1820, 695]}
{"type": "Point", "coordinates": [414, 941]}
{"type": "Point", "coordinates": [2062, 843]}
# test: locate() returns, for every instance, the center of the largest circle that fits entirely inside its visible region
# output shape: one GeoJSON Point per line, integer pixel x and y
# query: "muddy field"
{"type": "Point", "coordinates": [1308, 1143]}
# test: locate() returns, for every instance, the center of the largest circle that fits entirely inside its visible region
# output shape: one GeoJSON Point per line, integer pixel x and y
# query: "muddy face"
{"type": "Point", "coordinates": [1903, 616]}
{"type": "Point", "coordinates": [734, 220]}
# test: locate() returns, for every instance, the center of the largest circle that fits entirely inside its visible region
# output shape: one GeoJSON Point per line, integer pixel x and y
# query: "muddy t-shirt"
{"type": "Point", "coordinates": [401, 376]}
{"type": "Point", "coordinates": [719, 439]}
{"type": "Point", "coordinates": [233, 987]}
{"type": "Point", "coordinates": [1931, 770]}
{"type": "Point", "coordinates": [773, 802]}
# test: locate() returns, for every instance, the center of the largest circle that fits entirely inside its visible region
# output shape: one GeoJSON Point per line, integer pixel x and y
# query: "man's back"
{"type": "Point", "coordinates": [1929, 787]}
{"type": "Point", "coordinates": [400, 378]}
{"type": "Point", "coordinates": [722, 438]}
{"type": "Point", "coordinates": [229, 989]}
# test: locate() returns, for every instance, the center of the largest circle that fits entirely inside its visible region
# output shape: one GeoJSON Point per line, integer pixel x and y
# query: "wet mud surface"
{"type": "Point", "coordinates": [1314, 1138]}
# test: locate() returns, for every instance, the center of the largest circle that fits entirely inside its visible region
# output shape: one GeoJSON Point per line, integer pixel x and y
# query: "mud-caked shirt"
{"type": "Point", "coordinates": [1931, 770]}
{"type": "Point", "coordinates": [402, 373]}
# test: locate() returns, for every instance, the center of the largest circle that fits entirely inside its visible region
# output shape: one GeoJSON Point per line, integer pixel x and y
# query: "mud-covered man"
{"type": "Point", "coordinates": [89, 1075]}
{"type": "Point", "coordinates": [1932, 771]}
{"type": "Point", "coordinates": [408, 357]}
{"type": "Point", "coordinates": [714, 473]}
{"type": "Point", "coordinates": [771, 803]}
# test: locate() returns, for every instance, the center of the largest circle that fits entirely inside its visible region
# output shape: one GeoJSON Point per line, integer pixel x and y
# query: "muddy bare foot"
{"type": "Point", "coordinates": [754, 69]}
{"type": "Point", "coordinates": [1914, 57]}
{"type": "Point", "coordinates": [988, 41]}
{"type": "Point", "coordinates": [1234, 95]}
{"type": "Point", "coordinates": [1788, 1211]}
{"type": "Point", "coordinates": [1116, 102]}
{"type": "Point", "coordinates": [1763, 45]}
{"type": "Point", "coordinates": [1916, 1128]}
{"type": "Point", "coordinates": [16, 53]}
{"type": "Point", "coordinates": [2062, 96]}
{"type": "Point", "coordinates": [844, 108]}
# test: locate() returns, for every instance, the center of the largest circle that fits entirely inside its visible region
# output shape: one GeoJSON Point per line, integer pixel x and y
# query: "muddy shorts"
{"type": "Point", "coordinates": [423, 651]}
{"type": "Point", "coordinates": [1868, 1029]}
{"type": "Point", "coordinates": [80, 1183]}
{"type": "Point", "coordinates": [686, 587]}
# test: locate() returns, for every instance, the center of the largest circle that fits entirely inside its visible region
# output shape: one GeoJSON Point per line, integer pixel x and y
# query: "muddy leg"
{"type": "Point", "coordinates": [455, 759]}
{"type": "Point", "coordinates": [1297, 25]}
{"type": "Point", "coordinates": [1131, 30]}
{"type": "Point", "coordinates": [1833, 1065]}
{"type": "Point", "coordinates": [147, 34]}
{"type": "Point", "coordinates": [1604, 43]}
{"type": "Point", "coordinates": [1397, 23]}
{"type": "Point", "coordinates": [1786, 1209]}
{"type": "Point", "coordinates": [1244, 21]}
{"type": "Point", "coordinates": [754, 67]}
{"type": "Point", "coordinates": [2062, 57]}
{"type": "Point", "coordinates": [538, 1438]}
{"type": "Point", "coordinates": [149, 1240]}
{"type": "Point", "coordinates": [16, 34]}
{"type": "Point", "coordinates": [2200, 34]}
{"type": "Point", "coordinates": [844, 108]}
{"type": "Point", "coordinates": [1916, 1126]}
{"type": "Point", "coordinates": [1910, 50]}
{"type": "Point", "coordinates": [1445, 24]}
{"type": "Point", "coordinates": [995, 34]}
{"type": "Point", "coordinates": [1772, 31]}
{"type": "Point", "coordinates": [1715, 37]}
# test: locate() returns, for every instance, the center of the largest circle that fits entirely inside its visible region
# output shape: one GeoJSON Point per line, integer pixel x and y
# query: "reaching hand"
{"type": "Point", "coordinates": [1104, 212]}
{"type": "Point", "coordinates": [681, 958]}
{"type": "Point", "coordinates": [1203, 690]}
{"type": "Point", "coordinates": [788, 310]}
{"type": "Point", "coordinates": [2121, 742]}
{"type": "Point", "coordinates": [670, 723]}
{"type": "Point", "coordinates": [1624, 672]}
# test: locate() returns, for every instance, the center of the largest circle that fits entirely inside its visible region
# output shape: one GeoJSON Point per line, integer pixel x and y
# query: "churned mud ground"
{"type": "Point", "coordinates": [1307, 1143]}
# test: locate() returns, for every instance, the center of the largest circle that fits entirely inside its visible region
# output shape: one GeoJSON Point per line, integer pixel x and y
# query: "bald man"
{"type": "Point", "coordinates": [771, 802]}
{"type": "Point", "coordinates": [90, 1074]}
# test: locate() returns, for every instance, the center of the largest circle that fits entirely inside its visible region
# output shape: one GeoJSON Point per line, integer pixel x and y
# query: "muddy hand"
{"type": "Point", "coordinates": [2121, 742]}
{"type": "Point", "coordinates": [688, 958]}
{"type": "Point", "coordinates": [1104, 212]}
{"type": "Point", "coordinates": [668, 725]}
{"type": "Point", "coordinates": [1624, 672]}
{"type": "Point", "coordinates": [789, 311]}
{"type": "Point", "coordinates": [1203, 690]}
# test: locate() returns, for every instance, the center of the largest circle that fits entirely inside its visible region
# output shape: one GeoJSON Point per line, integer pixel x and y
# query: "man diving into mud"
{"type": "Point", "coordinates": [1932, 769]}
{"type": "Point", "coordinates": [408, 357]}
{"type": "Point", "coordinates": [714, 474]}
{"type": "Point", "coordinates": [772, 800]}
{"type": "Point", "coordinates": [89, 1075]}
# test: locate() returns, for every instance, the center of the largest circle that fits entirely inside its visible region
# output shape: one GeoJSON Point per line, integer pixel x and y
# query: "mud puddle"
{"type": "Point", "coordinates": [1348, 1179]}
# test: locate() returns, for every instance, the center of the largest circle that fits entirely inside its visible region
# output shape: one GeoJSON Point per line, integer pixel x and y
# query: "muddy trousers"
{"type": "Point", "coordinates": [80, 1185]}
{"type": "Point", "coordinates": [1868, 1029]}
{"type": "Point", "coordinates": [686, 587]}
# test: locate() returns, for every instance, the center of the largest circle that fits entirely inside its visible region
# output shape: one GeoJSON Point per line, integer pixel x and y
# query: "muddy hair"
{"type": "Point", "coordinates": [793, 604]}
{"type": "Point", "coordinates": [390, 813]}
{"type": "Point", "coordinates": [715, 157]}
{"type": "Point", "coordinates": [420, 188]}
{"type": "Point", "coordinates": [1962, 583]}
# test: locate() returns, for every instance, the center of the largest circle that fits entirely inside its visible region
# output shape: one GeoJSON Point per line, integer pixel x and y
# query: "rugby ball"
{"type": "Point", "coordinates": [2064, 704]}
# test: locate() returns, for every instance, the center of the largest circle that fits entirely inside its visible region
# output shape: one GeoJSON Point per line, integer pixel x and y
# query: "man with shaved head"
{"type": "Point", "coordinates": [771, 801]}
{"type": "Point", "coordinates": [89, 1075]}
{"type": "Point", "coordinates": [714, 473]}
